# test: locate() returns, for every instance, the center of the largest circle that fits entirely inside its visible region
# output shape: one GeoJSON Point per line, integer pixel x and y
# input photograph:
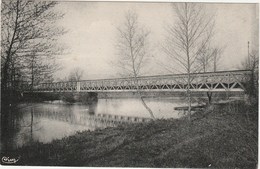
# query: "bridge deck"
{"type": "Point", "coordinates": [210, 81]}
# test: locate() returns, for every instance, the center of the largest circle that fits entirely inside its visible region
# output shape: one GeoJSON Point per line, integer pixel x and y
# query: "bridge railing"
{"type": "Point", "coordinates": [214, 81]}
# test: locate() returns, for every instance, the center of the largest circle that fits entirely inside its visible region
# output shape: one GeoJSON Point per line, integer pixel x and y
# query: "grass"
{"type": "Point", "coordinates": [220, 137]}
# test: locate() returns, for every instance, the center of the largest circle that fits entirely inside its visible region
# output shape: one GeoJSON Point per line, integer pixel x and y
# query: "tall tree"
{"type": "Point", "coordinates": [28, 33]}
{"type": "Point", "coordinates": [208, 60]}
{"type": "Point", "coordinates": [132, 50]}
{"type": "Point", "coordinates": [251, 62]}
{"type": "Point", "coordinates": [187, 38]}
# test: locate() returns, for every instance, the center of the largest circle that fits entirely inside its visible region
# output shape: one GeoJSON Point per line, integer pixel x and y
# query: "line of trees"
{"type": "Point", "coordinates": [29, 50]}
{"type": "Point", "coordinates": [187, 45]}
{"type": "Point", "coordinates": [29, 45]}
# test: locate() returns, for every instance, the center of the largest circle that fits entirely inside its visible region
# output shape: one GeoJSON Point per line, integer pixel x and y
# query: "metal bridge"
{"type": "Point", "coordinates": [209, 81]}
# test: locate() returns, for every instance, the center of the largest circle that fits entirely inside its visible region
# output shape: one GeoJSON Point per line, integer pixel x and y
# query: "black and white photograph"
{"type": "Point", "coordinates": [147, 84]}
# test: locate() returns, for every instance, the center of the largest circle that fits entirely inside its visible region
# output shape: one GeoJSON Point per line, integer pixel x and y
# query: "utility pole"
{"type": "Point", "coordinates": [248, 55]}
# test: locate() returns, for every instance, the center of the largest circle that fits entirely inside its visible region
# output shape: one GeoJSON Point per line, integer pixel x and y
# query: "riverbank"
{"type": "Point", "coordinates": [221, 137]}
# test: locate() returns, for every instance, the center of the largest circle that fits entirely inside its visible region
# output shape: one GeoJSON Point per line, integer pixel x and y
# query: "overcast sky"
{"type": "Point", "coordinates": [91, 36]}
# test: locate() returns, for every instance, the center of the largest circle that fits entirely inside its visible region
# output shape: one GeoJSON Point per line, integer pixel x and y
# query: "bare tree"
{"type": "Point", "coordinates": [205, 59]}
{"type": "Point", "coordinates": [187, 38]}
{"type": "Point", "coordinates": [217, 54]}
{"type": "Point", "coordinates": [132, 48]}
{"type": "Point", "coordinates": [28, 31]}
{"type": "Point", "coordinates": [76, 74]}
{"type": "Point", "coordinates": [40, 68]}
{"type": "Point", "coordinates": [251, 62]}
{"type": "Point", "coordinates": [208, 59]}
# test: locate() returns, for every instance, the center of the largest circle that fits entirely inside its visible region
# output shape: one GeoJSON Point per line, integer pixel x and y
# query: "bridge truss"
{"type": "Point", "coordinates": [210, 81]}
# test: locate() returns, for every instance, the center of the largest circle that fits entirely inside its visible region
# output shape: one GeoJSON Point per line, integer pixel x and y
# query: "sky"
{"type": "Point", "coordinates": [92, 34]}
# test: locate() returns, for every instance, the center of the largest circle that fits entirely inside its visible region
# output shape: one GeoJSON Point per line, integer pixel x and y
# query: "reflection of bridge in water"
{"type": "Point", "coordinates": [92, 121]}
{"type": "Point", "coordinates": [209, 81]}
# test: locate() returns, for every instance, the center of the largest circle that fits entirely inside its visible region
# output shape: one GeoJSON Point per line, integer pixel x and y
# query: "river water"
{"type": "Point", "coordinates": [47, 121]}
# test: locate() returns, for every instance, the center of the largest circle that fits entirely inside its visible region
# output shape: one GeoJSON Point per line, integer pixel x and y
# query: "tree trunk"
{"type": "Point", "coordinates": [32, 123]}
{"type": "Point", "coordinates": [5, 74]}
{"type": "Point", "coordinates": [9, 51]}
{"type": "Point", "coordinates": [188, 63]}
{"type": "Point", "coordinates": [142, 100]}
{"type": "Point", "coordinates": [188, 91]}
{"type": "Point", "coordinates": [215, 64]}
{"type": "Point", "coordinates": [147, 108]}
{"type": "Point", "coordinates": [209, 94]}
{"type": "Point", "coordinates": [32, 76]}
{"type": "Point", "coordinates": [189, 104]}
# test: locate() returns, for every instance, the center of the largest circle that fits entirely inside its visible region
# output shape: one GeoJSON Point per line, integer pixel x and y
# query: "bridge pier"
{"type": "Point", "coordinates": [78, 87]}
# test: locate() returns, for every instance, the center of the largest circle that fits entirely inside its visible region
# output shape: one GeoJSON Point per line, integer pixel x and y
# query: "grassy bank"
{"type": "Point", "coordinates": [223, 136]}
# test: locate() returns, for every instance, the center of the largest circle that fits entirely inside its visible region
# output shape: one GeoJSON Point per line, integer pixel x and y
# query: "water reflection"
{"type": "Point", "coordinates": [54, 120]}
{"type": "Point", "coordinates": [161, 107]}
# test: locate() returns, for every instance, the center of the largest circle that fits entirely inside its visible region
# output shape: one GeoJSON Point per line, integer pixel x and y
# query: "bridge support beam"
{"type": "Point", "coordinates": [78, 86]}
{"type": "Point", "coordinates": [209, 81]}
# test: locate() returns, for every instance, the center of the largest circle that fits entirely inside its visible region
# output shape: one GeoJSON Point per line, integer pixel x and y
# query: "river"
{"type": "Point", "coordinates": [51, 120]}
